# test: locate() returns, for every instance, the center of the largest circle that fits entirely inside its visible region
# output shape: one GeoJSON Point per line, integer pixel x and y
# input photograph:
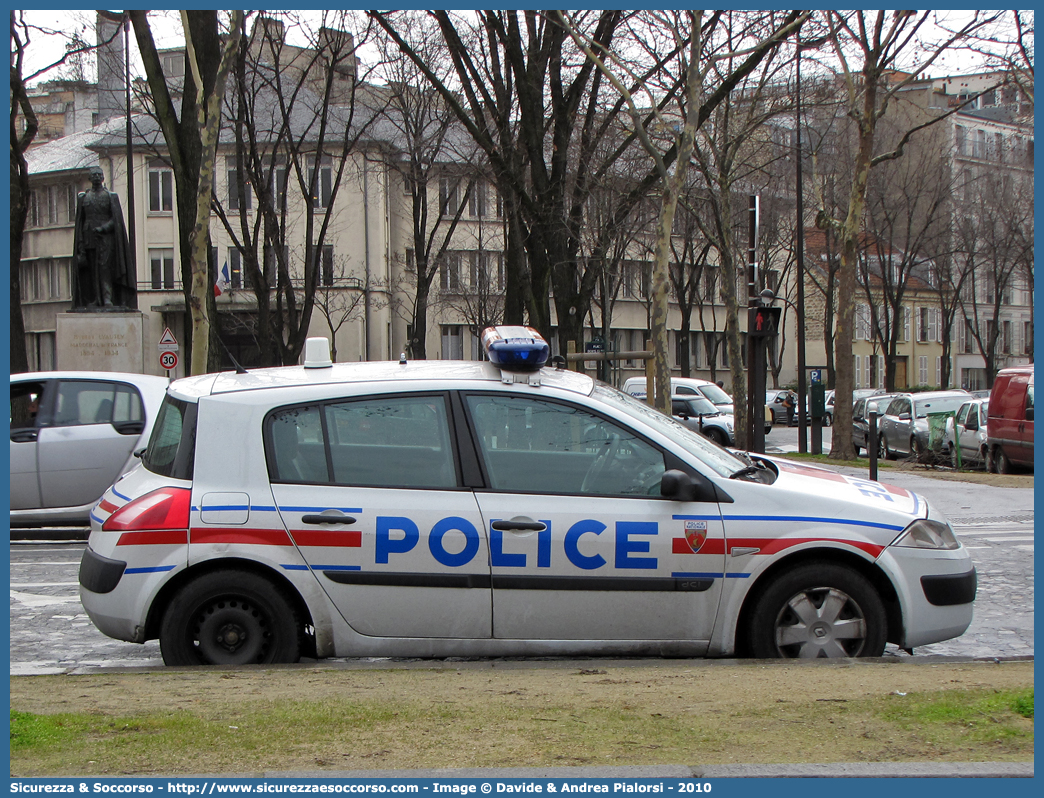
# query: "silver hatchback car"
{"type": "Point", "coordinates": [903, 427]}
{"type": "Point", "coordinates": [72, 434]}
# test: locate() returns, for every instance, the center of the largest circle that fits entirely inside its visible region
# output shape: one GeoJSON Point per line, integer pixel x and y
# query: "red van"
{"type": "Point", "coordinates": [1009, 425]}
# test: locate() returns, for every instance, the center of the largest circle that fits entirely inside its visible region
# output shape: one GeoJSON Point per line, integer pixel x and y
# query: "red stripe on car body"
{"type": "Point", "coordinates": [351, 538]}
{"type": "Point", "coordinates": [257, 537]}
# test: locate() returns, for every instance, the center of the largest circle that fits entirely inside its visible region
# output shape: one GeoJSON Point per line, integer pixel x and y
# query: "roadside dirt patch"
{"type": "Point", "coordinates": [515, 714]}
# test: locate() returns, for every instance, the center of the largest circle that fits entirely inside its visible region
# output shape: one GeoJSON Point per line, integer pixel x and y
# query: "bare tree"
{"type": "Point", "coordinates": [339, 299]}
{"type": "Point", "coordinates": [24, 128]}
{"type": "Point", "coordinates": [297, 116]}
{"type": "Point", "coordinates": [877, 42]}
{"type": "Point", "coordinates": [189, 139]}
{"type": "Point", "coordinates": [711, 58]}
{"type": "Point", "coordinates": [994, 244]}
{"type": "Point", "coordinates": [438, 162]}
{"type": "Point", "coordinates": [907, 224]}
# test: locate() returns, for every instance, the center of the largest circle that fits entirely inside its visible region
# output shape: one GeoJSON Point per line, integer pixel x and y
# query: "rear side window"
{"type": "Point", "coordinates": [388, 441]}
{"type": "Point", "coordinates": [172, 447]}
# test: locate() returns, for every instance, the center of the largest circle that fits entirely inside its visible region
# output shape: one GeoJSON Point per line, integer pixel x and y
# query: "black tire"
{"type": "Point", "coordinates": [991, 460]}
{"type": "Point", "coordinates": [1002, 462]}
{"type": "Point", "coordinates": [818, 609]}
{"type": "Point", "coordinates": [828, 420]}
{"type": "Point", "coordinates": [230, 618]}
{"type": "Point", "coordinates": [883, 452]}
{"type": "Point", "coordinates": [717, 435]}
{"type": "Point", "coordinates": [856, 447]}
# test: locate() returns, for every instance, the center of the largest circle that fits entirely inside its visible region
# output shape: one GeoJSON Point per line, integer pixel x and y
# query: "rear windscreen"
{"type": "Point", "coordinates": [171, 448]}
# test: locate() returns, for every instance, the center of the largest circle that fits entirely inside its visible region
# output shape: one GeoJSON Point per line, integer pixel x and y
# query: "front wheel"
{"type": "Point", "coordinates": [717, 435]}
{"type": "Point", "coordinates": [229, 618]}
{"type": "Point", "coordinates": [819, 609]}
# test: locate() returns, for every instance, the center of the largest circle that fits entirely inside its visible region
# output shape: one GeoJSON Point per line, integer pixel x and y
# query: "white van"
{"type": "Point", "coordinates": [688, 386]}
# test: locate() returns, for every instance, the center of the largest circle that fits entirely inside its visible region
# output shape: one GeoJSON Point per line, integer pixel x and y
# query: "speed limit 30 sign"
{"type": "Point", "coordinates": [168, 360]}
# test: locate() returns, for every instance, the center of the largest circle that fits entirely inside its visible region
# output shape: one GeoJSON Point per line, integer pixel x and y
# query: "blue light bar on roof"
{"type": "Point", "coordinates": [515, 348]}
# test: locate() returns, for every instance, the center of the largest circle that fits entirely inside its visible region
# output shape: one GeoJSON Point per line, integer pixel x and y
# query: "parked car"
{"type": "Point", "coordinates": [697, 413]}
{"type": "Point", "coordinates": [984, 394]}
{"type": "Point", "coordinates": [861, 400]}
{"type": "Point", "coordinates": [966, 433]}
{"type": "Point", "coordinates": [903, 427]}
{"type": "Point", "coordinates": [443, 509]}
{"type": "Point", "coordinates": [1010, 421]}
{"type": "Point", "coordinates": [690, 386]}
{"type": "Point", "coordinates": [72, 434]}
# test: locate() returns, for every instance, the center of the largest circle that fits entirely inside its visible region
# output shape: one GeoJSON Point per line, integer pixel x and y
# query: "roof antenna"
{"type": "Point", "coordinates": [239, 368]}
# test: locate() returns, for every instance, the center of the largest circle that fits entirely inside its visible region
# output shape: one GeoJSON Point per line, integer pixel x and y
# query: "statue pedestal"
{"type": "Point", "coordinates": [101, 341]}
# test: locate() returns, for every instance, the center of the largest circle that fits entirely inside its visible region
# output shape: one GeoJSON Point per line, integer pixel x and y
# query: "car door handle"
{"type": "Point", "coordinates": [129, 427]}
{"type": "Point", "coordinates": [519, 525]}
{"type": "Point", "coordinates": [24, 435]}
{"type": "Point", "coordinates": [319, 518]}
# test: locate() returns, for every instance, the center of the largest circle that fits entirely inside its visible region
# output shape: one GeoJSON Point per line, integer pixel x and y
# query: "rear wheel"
{"type": "Point", "coordinates": [229, 618]}
{"type": "Point", "coordinates": [1002, 461]}
{"type": "Point", "coordinates": [819, 609]}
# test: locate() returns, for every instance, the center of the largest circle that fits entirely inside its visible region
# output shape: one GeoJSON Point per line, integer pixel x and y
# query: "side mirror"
{"type": "Point", "coordinates": [1029, 413]}
{"type": "Point", "coordinates": [677, 485]}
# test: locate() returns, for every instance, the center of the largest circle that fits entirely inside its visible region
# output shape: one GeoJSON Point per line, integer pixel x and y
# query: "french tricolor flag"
{"type": "Point", "coordinates": [223, 281]}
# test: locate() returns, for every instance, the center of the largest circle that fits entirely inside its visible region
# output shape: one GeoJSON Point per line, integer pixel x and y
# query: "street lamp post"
{"type": "Point", "coordinates": [800, 261]}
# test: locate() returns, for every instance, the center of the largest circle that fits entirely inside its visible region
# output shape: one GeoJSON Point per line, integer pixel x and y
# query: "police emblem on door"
{"type": "Point", "coordinates": [695, 534]}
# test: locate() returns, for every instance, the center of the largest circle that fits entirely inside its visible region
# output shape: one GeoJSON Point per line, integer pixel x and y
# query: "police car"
{"type": "Point", "coordinates": [433, 509]}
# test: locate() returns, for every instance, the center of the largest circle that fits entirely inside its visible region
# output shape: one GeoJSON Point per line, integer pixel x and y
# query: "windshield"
{"type": "Point", "coordinates": [697, 405]}
{"type": "Point", "coordinates": [716, 394]}
{"type": "Point", "coordinates": [939, 404]}
{"type": "Point", "coordinates": [720, 460]}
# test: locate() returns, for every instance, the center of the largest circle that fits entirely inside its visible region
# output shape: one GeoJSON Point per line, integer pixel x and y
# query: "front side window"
{"type": "Point", "coordinates": [25, 404]}
{"type": "Point", "coordinates": [537, 446]}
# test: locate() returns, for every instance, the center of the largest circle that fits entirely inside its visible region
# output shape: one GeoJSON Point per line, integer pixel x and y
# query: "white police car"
{"type": "Point", "coordinates": [495, 508]}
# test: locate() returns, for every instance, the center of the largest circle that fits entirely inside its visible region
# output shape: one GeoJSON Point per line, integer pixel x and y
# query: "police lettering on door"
{"type": "Point", "coordinates": [397, 535]}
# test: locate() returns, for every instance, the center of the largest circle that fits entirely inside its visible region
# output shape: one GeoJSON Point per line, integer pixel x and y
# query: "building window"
{"type": "Point", "coordinates": [477, 200]}
{"type": "Point", "coordinates": [979, 144]}
{"type": "Point", "coordinates": [235, 268]}
{"type": "Point", "coordinates": [1027, 338]}
{"type": "Point", "coordinates": [1006, 347]}
{"type": "Point", "coordinates": [448, 204]}
{"type": "Point", "coordinates": [962, 143]}
{"type": "Point", "coordinates": [161, 262]}
{"type": "Point", "coordinates": [487, 272]}
{"type": "Point", "coordinates": [161, 188]}
{"type": "Point", "coordinates": [235, 202]}
{"type": "Point", "coordinates": [39, 346]}
{"type": "Point", "coordinates": [45, 280]}
{"type": "Point", "coordinates": [857, 373]}
{"type": "Point", "coordinates": [449, 272]}
{"type": "Point", "coordinates": [452, 342]}
{"type": "Point", "coordinates": [922, 370]}
{"type": "Point", "coordinates": [322, 185]}
{"type": "Point", "coordinates": [326, 264]}
{"type": "Point", "coordinates": [411, 261]}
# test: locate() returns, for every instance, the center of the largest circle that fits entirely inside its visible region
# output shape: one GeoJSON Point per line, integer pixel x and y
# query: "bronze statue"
{"type": "Point", "coordinates": [103, 276]}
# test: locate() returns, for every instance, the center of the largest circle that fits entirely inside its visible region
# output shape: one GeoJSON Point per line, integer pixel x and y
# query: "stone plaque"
{"type": "Point", "coordinates": [100, 342]}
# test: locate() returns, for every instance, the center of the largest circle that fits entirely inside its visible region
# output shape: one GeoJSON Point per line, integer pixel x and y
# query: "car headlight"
{"type": "Point", "coordinates": [925, 534]}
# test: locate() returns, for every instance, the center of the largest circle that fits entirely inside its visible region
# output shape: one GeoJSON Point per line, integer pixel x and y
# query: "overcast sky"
{"type": "Point", "coordinates": [166, 28]}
